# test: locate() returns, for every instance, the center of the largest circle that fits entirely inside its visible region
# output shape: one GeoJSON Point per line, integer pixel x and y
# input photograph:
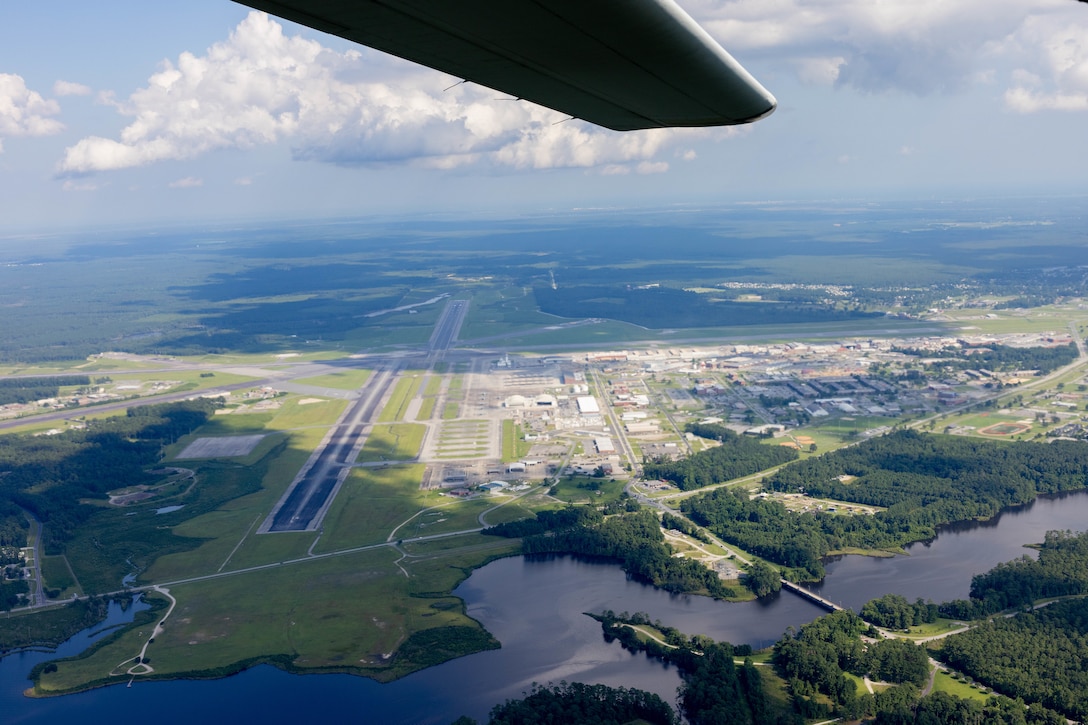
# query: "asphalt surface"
{"type": "Point", "coordinates": [311, 494]}
{"type": "Point", "coordinates": [448, 326]}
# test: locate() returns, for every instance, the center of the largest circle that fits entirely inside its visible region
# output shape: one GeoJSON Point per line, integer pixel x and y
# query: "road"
{"type": "Point", "coordinates": [1082, 359]}
{"type": "Point", "coordinates": [69, 413]}
{"type": "Point", "coordinates": [37, 595]}
{"type": "Point", "coordinates": [618, 432]}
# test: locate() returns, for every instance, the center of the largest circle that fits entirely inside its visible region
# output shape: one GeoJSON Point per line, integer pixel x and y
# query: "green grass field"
{"type": "Point", "coordinates": [343, 613]}
{"type": "Point", "coordinates": [403, 392]}
{"type": "Point", "coordinates": [514, 445]}
{"type": "Point", "coordinates": [944, 682]}
{"type": "Point", "coordinates": [56, 574]}
{"type": "Point", "coordinates": [583, 489]}
{"type": "Point", "coordinates": [340, 380]}
{"type": "Point", "coordinates": [395, 442]}
{"type": "Point", "coordinates": [294, 414]}
{"type": "Point", "coordinates": [371, 503]}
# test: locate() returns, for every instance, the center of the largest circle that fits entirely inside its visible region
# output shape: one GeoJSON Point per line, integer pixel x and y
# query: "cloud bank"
{"type": "Point", "coordinates": [261, 86]}
{"type": "Point", "coordinates": [24, 112]}
{"type": "Point", "coordinates": [1037, 49]}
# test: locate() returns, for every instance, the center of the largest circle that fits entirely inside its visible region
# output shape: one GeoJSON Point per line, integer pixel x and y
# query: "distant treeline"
{"type": "Point", "coordinates": [922, 480]}
{"type": "Point", "coordinates": [660, 307]}
{"type": "Point", "coordinates": [633, 538]}
{"type": "Point", "coordinates": [736, 456]}
{"type": "Point", "coordinates": [27, 390]}
{"type": "Point", "coordinates": [999, 358]}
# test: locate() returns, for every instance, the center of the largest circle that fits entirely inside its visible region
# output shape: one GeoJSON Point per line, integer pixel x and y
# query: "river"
{"type": "Point", "coordinates": [534, 607]}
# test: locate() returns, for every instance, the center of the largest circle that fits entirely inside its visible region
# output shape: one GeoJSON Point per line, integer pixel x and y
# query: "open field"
{"type": "Point", "coordinates": [514, 445]}
{"type": "Point", "coordinates": [371, 503]}
{"type": "Point", "coordinates": [583, 490]}
{"type": "Point", "coordinates": [294, 413]}
{"type": "Point", "coordinates": [404, 391]}
{"type": "Point", "coordinates": [58, 576]}
{"type": "Point", "coordinates": [219, 531]}
{"type": "Point", "coordinates": [943, 682]}
{"type": "Point", "coordinates": [395, 442]}
{"type": "Point", "coordinates": [340, 380]}
{"type": "Point", "coordinates": [346, 613]}
{"type": "Point", "coordinates": [1005, 429]}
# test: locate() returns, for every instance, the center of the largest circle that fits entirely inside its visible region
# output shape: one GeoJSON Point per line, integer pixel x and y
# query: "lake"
{"type": "Point", "coordinates": [534, 607]}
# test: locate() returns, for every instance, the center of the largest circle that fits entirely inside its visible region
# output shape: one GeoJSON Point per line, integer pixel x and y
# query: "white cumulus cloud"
{"type": "Point", "coordinates": [1056, 78]}
{"type": "Point", "coordinates": [67, 88]}
{"type": "Point", "coordinates": [918, 46]}
{"type": "Point", "coordinates": [24, 112]}
{"type": "Point", "coordinates": [360, 107]}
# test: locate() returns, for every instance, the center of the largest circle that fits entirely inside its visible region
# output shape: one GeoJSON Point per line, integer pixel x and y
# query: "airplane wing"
{"type": "Point", "coordinates": [621, 64]}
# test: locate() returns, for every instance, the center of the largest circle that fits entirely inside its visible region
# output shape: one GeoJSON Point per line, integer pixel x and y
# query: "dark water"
{"type": "Point", "coordinates": [535, 609]}
{"type": "Point", "coordinates": [941, 570]}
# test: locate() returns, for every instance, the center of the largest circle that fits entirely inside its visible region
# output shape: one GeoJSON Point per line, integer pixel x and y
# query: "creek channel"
{"type": "Point", "coordinates": [535, 608]}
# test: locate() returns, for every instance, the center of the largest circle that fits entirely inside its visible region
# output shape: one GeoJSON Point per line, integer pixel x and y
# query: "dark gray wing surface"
{"type": "Point", "coordinates": [621, 64]}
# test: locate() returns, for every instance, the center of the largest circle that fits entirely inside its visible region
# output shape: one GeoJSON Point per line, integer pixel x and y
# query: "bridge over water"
{"type": "Point", "coordinates": [811, 596]}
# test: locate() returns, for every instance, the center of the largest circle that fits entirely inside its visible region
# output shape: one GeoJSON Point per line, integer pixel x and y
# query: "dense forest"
{"type": "Point", "coordinates": [659, 307]}
{"type": "Point", "coordinates": [950, 478]}
{"type": "Point", "coordinates": [922, 480]}
{"type": "Point", "coordinates": [1052, 638]}
{"type": "Point", "coordinates": [736, 456]}
{"type": "Point", "coordinates": [998, 358]}
{"type": "Point", "coordinates": [816, 659]}
{"type": "Point", "coordinates": [815, 662]}
{"type": "Point", "coordinates": [27, 390]}
{"type": "Point", "coordinates": [893, 611]}
{"type": "Point", "coordinates": [716, 689]}
{"type": "Point", "coordinates": [576, 703]}
{"type": "Point", "coordinates": [50, 475]}
{"type": "Point", "coordinates": [633, 538]}
{"type": "Point", "coordinates": [1060, 570]}
{"type": "Point", "coordinates": [1037, 656]}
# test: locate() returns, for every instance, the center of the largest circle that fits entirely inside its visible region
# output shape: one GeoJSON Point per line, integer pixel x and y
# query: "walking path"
{"type": "Point", "coordinates": [141, 666]}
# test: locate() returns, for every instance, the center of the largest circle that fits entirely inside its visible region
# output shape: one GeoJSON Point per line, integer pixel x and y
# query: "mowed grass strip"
{"type": "Point", "coordinates": [433, 387]}
{"type": "Point", "coordinates": [340, 380]}
{"type": "Point", "coordinates": [514, 446]}
{"type": "Point", "coordinates": [372, 502]}
{"type": "Point", "coordinates": [294, 414]}
{"type": "Point", "coordinates": [394, 442]}
{"type": "Point", "coordinates": [426, 409]}
{"type": "Point", "coordinates": [403, 392]}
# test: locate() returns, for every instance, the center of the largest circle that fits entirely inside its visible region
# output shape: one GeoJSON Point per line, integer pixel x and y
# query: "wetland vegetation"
{"type": "Point", "coordinates": [369, 592]}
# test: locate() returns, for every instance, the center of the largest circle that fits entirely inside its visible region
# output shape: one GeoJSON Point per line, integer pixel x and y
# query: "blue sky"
{"type": "Point", "coordinates": [119, 111]}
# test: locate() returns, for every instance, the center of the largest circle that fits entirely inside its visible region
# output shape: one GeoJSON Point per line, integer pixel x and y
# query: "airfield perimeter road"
{"type": "Point", "coordinates": [303, 506]}
{"type": "Point", "coordinates": [69, 413]}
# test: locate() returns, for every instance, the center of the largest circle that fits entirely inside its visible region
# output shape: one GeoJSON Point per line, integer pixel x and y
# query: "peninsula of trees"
{"type": "Point", "coordinates": [921, 481]}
